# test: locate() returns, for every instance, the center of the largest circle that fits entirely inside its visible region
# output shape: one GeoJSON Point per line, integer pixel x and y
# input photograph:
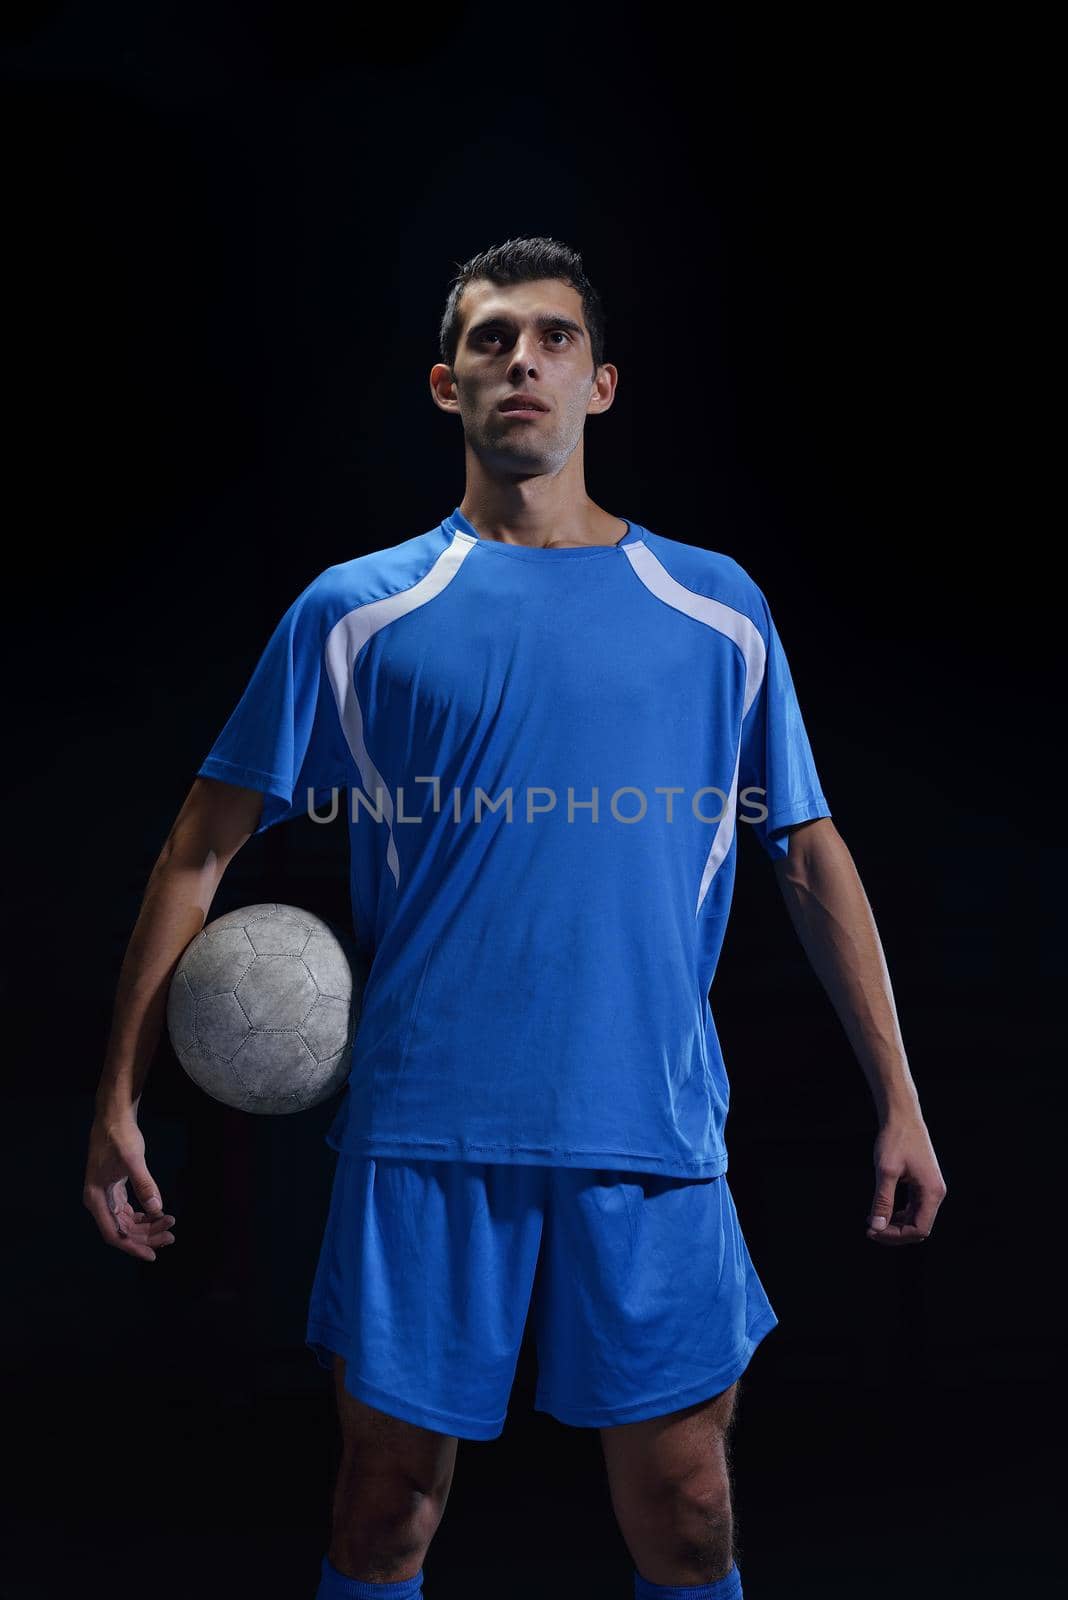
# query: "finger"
{"type": "Point", "coordinates": [148, 1195]}
{"type": "Point", "coordinates": [899, 1230]}
{"type": "Point", "coordinates": [926, 1211]}
{"type": "Point", "coordinates": [144, 1229]}
{"type": "Point", "coordinates": [133, 1247]}
{"type": "Point", "coordinates": [909, 1233]}
{"type": "Point", "coordinates": [917, 1216]}
{"type": "Point", "coordinates": [118, 1205]}
{"type": "Point", "coordinates": [891, 1231]}
{"type": "Point", "coordinates": [883, 1203]}
{"type": "Point", "coordinates": [153, 1238]}
{"type": "Point", "coordinates": [112, 1228]}
{"type": "Point", "coordinates": [103, 1215]}
{"type": "Point", "coordinates": [145, 1188]}
{"type": "Point", "coordinates": [125, 1220]}
{"type": "Point", "coordinates": [137, 1238]}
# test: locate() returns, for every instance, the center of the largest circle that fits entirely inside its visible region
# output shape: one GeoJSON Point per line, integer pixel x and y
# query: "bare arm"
{"type": "Point", "coordinates": [833, 920]}
{"type": "Point", "coordinates": [214, 822]}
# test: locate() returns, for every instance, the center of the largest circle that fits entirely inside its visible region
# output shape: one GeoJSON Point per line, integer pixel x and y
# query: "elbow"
{"type": "Point", "coordinates": [807, 844]}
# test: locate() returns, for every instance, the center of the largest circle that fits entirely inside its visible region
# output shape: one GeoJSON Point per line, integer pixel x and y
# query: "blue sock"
{"type": "Point", "coordinates": [333, 1585]}
{"type": "Point", "coordinates": [728, 1588]}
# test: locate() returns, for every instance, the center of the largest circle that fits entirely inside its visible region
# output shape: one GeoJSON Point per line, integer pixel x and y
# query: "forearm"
{"type": "Point", "coordinates": [175, 907]}
{"type": "Point", "coordinates": [833, 920]}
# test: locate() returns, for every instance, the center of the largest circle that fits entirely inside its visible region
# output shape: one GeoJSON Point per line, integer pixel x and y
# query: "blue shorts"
{"type": "Point", "coordinates": [645, 1298]}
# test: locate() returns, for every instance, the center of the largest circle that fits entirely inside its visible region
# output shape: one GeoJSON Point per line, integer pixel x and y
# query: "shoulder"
{"type": "Point", "coordinates": [360, 581]}
{"type": "Point", "coordinates": [711, 573]}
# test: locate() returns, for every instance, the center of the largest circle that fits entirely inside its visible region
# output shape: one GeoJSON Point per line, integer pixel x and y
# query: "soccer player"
{"type": "Point", "coordinates": [549, 723]}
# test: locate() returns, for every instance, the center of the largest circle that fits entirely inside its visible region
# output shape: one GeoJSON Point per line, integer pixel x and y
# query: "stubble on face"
{"type": "Point", "coordinates": [563, 381]}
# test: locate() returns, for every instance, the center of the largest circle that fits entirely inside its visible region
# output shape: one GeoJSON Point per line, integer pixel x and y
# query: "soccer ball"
{"type": "Point", "coordinates": [262, 1009]}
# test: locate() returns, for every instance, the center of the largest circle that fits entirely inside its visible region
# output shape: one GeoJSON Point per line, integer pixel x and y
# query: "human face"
{"type": "Point", "coordinates": [531, 339]}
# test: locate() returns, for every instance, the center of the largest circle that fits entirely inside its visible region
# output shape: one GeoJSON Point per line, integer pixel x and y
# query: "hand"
{"type": "Point", "coordinates": [903, 1153]}
{"type": "Point", "coordinates": [116, 1156]}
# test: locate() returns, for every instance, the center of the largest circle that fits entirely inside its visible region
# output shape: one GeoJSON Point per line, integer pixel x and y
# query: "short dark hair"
{"type": "Point", "coordinates": [521, 261]}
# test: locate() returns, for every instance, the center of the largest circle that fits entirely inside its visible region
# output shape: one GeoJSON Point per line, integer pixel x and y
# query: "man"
{"type": "Point", "coordinates": [551, 722]}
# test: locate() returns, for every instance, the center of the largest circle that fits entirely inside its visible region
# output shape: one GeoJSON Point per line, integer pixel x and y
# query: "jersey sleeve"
{"type": "Point", "coordinates": [775, 761]}
{"type": "Point", "coordinates": [285, 736]}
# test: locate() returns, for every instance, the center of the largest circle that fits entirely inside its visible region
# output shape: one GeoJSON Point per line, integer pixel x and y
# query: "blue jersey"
{"type": "Point", "coordinates": [544, 758]}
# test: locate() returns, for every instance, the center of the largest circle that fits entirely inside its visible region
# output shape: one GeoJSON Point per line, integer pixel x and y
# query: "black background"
{"type": "Point", "coordinates": [821, 243]}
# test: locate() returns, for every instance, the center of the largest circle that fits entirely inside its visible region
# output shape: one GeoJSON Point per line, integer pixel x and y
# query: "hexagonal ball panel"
{"type": "Point", "coordinates": [222, 1026]}
{"type": "Point", "coordinates": [326, 1027]}
{"type": "Point", "coordinates": [274, 1068]}
{"type": "Point", "coordinates": [283, 934]}
{"type": "Point", "coordinates": [217, 960]}
{"type": "Point", "coordinates": [277, 992]}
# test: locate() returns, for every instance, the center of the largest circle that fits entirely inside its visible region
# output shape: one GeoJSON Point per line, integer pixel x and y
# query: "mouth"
{"type": "Point", "coordinates": [522, 406]}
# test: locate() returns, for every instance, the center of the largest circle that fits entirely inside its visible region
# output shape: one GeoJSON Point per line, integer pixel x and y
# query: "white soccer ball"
{"type": "Point", "coordinates": [263, 1007]}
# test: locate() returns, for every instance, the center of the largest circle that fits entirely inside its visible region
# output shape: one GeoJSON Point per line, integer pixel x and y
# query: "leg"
{"type": "Point", "coordinates": [669, 1479]}
{"type": "Point", "coordinates": [392, 1486]}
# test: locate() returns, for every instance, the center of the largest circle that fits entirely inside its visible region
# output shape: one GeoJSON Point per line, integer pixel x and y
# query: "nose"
{"type": "Point", "coordinates": [523, 361]}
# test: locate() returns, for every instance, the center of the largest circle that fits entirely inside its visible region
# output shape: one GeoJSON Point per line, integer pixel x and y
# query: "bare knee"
{"type": "Point", "coordinates": [392, 1484]}
{"type": "Point", "coordinates": [381, 1536]}
{"type": "Point", "coordinates": [705, 1531]}
{"type": "Point", "coordinates": [683, 1535]}
{"type": "Point", "coordinates": [379, 1445]}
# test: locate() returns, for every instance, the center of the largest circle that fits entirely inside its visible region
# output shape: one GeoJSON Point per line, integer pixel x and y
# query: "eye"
{"type": "Point", "coordinates": [491, 333]}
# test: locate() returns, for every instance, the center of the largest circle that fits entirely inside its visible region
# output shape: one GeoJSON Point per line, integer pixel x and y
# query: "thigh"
{"type": "Point", "coordinates": [682, 1450]}
{"type": "Point", "coordinates": [380, 1447]}
{"type": "Point", "coordinates": [648, 1303]}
